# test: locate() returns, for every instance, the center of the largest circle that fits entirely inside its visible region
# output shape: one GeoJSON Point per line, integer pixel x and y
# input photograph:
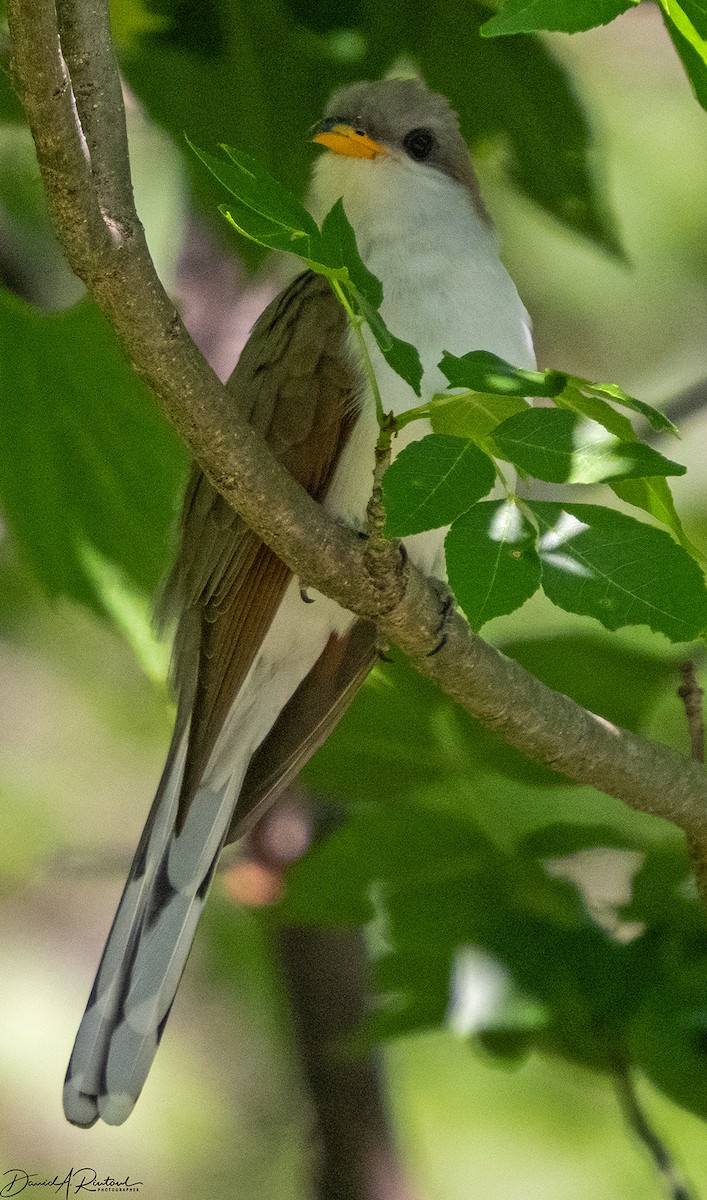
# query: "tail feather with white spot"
{"type": "Point", "coordinates": [147, 947]}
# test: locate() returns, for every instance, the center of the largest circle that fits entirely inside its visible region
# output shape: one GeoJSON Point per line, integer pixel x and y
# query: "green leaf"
{"type": "Point", "coordinates": [402, 737]}
{"type": "Point", "coordinates": [689, 46]}
{"type": "Point", "coordinates": [216, 74]}
{"type": "Point", "coordinates": [472, 414]}
{"type": "Point", "coordinates": [656, 419]}
{"type": "Point", "coordinates": [492, 563]}
{"type": "Point", "coordinates": [278, 219]}
{"type": "Point", "coordinates": [696, 13]}
{"type": "Point", "coordinates": [257, 188]}
{"type": "Point", "coordinates": [587, 667]}
{"type": "Point", "coordinates": [402, 356]}
{"type": "Point", "coordinates": [439, 886]}
{"type": "Point", "coordinates": [432, 481]}
{"type": "Point", "coordinates": [561, 447]}
{"type": "Point", "coordinates": [654, 496]}
{"type": "Point", "coordinates": [338, 247]}
{"type": "Point", "coordinates": [597, 410]}
{"type": "Point", "coordinates": [561, 840]}
{"type": "Point", "coordinates": [566, 16]}
{"type": "Point", "coordinates": [689, 17]}
{"type": "Point", "coordinates": [606, 565]}
{"type": "Point", "coordinates": [338, 244]}
{"type": "Point", "coordinates": [89, 465]}
{"type": "Point", "coordinates": [512, 94]}
{"type": "Point", "coordinates": [263, 231]}
{"type": "Point", "coordinates": [485, 372]}
{"type": "Point", "coordinates": [669, 1031]}
{"type": "Point", "coordinates": [267, 214]}
{"type": "Point", "coordinates": [661, 894]}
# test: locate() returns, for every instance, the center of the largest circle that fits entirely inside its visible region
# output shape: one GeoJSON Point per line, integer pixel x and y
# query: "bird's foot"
{"type": "Point", "coordinates": [446, 612]}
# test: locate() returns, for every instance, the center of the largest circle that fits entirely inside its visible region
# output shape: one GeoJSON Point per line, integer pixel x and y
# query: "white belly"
{"type": "Point", "coordinates": [445, 288]}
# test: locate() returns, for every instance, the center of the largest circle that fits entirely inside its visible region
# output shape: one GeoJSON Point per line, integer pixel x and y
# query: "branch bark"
{"type": "Point", "coordinates": [67, 77]}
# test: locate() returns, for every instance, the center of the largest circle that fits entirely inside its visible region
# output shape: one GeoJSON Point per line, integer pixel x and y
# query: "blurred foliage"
{"type": "Point", "coordinates": [89, 464]}
{"type": "Point", "coordinates": [213, 78]}
{"type": "Point", "coordinates": [686, 22]}
{"type": "Point", "coordinates": [446, 835]}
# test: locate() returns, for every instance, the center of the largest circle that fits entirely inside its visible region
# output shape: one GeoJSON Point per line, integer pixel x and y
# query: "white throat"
{"type": "Point", "coordinates": [444, 285]}
{"type": "Point", "coordinates": [444, 288]}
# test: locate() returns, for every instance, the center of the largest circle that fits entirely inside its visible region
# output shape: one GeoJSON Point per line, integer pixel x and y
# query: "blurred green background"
{"type": "Point", "coordinates": [85, 720]}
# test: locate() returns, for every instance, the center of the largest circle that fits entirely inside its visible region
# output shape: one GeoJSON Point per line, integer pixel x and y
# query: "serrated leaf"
{"type": "Point", "coordinates": [252, 185]}
{"type": "Point", "coordinates": [610, 391]}
{"type": "Point", "coordinates": [607, 565]}
{"type": "Point", "coordinates": [561, 447]}
{"type": "Point", "coordinates": [565, 16]}
{"type": "Point", "coordinates": [472, 414]}
{"type": "Point", "coordinates": [654, 496]}
{"type": "Point", "coordinates": [486, 372]}
{"type": "Point", "coordinates": [492, 563]}
{"type": "Point", "coordinates": [338, 244]}
{"type": "Point", "coordinates": [597, 410]}
{"type": "Point", "coordinates": [432, 481]}
{"type": "Point", "coordinates": [402, 356]}
{"type": "Point", "coordinates": [264, 232]}
{"type": "Point", "coordinates": [268, 215]}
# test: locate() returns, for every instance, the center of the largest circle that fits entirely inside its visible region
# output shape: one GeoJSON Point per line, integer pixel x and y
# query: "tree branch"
{"type": "Point", "coordinates": [82, 155]}
{"type": "Point", "coordinates": [691, 695]}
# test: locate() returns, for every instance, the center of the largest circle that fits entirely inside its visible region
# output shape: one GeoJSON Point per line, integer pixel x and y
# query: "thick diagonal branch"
{"type": "Point", "coordinates": [79, 134]}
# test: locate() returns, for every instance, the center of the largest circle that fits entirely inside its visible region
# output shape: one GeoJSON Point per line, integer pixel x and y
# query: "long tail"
{"type": "Point", "coordinates": [148, 945]}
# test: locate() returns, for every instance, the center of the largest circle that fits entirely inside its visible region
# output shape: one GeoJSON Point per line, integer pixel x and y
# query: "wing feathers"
{"type": "Point", "coordinates": [295, 381]}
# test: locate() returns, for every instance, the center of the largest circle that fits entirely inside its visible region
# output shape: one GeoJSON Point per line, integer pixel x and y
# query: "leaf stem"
{"type": "Point", "coordinates": [638, 1123]}
{"type": "Point", "coordinates": [357, 321]}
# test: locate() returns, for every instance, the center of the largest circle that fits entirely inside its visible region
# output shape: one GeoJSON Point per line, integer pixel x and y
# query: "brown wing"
{"type": "Point", "coordinates": [297, 385]}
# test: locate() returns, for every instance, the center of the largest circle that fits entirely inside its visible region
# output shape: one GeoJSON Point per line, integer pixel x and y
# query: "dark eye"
{"type": "Point", "coordinates": [419, 143]}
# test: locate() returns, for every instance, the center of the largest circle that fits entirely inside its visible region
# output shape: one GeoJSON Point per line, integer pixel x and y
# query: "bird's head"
{"type": "Point", "coordinates": [389, 136]}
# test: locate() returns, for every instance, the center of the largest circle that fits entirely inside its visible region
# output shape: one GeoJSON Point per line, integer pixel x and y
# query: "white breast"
{"type": "Point", "coordinates": [444, 288]}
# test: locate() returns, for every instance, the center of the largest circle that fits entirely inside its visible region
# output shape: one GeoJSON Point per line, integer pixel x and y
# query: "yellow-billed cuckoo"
{"type": "Point", "coordinates": [262, 676]}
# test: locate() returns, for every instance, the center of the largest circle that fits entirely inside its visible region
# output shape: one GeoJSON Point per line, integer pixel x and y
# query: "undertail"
{"type": "Point", "coordinates": [147, 948]}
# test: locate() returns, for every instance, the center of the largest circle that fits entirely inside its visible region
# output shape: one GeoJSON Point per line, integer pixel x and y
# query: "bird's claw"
{"type": "Point", "coordinates": [446, 613]}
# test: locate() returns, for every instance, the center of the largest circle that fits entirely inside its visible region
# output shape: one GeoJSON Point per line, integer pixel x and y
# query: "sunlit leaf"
{"type": "Point", "coordinates": [689, 45]}
{"type": "Point", "coordinates": [567, 16]}
{"type": "Point", "coordinates": [610, 391]}
{"type": "Point", "coordinates": [607, 565]}
{"type": "Point", "coordinates": [472, 414]}
{"type": "Point", "coordinates": [485, 372]}
{"type": "Point", "coordinates": [561, 447]}
{"type": "Point", "coordinates": [597, 410]}
{"type": "Point", "coordinates": [492, 563]}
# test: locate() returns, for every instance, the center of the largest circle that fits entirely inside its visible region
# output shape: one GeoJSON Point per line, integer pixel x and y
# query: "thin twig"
{"type": "Point", "coordinates": [675, 1186]}
{"type": "Point", "coordinates": [544, 725]}
{"type": "Point", "coordinates": [691, 695]}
